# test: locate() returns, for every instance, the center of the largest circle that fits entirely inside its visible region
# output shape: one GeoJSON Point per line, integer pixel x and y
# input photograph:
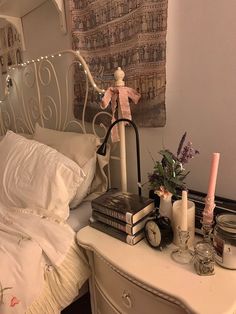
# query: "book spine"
{"type": "Point", "coordinates": [113, 232]}
{"type": "Point", "coordinates": [109, 212]}
{"type": "Point", "coordinates": [115, 224]}
{"type": "Point", "coordinates": [129, 218]}
{"type": "Point", "coordinates": [131, 240]}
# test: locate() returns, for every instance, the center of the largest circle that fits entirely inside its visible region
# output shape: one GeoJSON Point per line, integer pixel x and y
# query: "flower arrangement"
{"type": "Point", "coordinates": [169, 174]}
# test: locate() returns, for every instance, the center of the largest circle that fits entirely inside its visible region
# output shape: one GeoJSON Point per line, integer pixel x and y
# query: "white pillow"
{"type": "Point", "coordinates": [84, 189]}
{"type": "Point", "coordinates": [81, 148]}
{"type": "Point", "coordinates": [36, 176]}
{"type": "Point", "coordinates": [77, 146]}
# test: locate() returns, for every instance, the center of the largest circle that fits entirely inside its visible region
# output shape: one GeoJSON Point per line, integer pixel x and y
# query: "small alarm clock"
{"type": "Point", "coordinates": [158, 232]}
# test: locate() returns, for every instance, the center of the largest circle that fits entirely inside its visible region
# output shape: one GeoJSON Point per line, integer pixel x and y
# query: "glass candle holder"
{"type": "Point", "coordinates": [182, 255]}
{"type": "Point", "coordinates": [176, 220]}
{"type": "Point", "coordinates": [204, 259]}
{"type": "Point", "coordinates": [207, 228]}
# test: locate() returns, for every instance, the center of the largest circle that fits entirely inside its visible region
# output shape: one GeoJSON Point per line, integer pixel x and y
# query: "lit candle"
{"type": "Point", "coordinates": [210, 203]}
{"type": "Point", "coordinates": [184, 211]}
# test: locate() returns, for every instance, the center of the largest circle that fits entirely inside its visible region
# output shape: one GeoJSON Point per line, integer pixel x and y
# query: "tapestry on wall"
{"type": "Point", "coordinates": [130, 34]}
{"type": "Point", "coordinates": [10, 47]}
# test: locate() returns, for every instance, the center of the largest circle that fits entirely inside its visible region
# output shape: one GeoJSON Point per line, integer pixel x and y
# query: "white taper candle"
{"type": "Point", "coordinates": [184, 211]}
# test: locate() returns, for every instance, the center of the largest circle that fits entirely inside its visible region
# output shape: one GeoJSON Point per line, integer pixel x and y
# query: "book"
{"type": "Point", "coordinates": [115, 233]}
{"type": "Point", "coordinates": [118, 224]}
{"type": "Point", "coordinates": [124, 206]}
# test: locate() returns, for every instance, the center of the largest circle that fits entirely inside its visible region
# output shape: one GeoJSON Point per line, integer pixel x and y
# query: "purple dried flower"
{"type": "Point", "coordinates": [188, 152]}
{"type": "Point", "coordinates": [169, 173]}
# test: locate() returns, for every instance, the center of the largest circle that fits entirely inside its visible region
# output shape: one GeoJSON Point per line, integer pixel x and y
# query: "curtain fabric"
{"type": "Point", "coordinates": [130, 34]}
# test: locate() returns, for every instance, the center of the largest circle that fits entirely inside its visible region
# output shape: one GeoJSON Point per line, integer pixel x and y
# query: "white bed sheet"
{"type": "Point", "coordinates": [80, 215]}
{"type": "Point", "coordinates": [59, 266]}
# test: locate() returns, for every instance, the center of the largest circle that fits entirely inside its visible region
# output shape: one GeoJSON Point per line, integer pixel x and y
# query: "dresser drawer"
{"type": "Point", "coordinates": [103, 305]}
{"type": "Point", "coordinates": [127, 297]}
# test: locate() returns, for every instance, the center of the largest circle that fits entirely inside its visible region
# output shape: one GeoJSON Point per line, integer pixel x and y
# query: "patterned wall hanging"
{"type": "Point", "coordinates": [130, 34]}
{"type": "Point", "coordinates": [10, 47]}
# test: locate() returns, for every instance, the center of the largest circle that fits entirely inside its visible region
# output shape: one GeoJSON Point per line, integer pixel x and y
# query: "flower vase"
{"type": "Point", "coordinates": [165, 207]}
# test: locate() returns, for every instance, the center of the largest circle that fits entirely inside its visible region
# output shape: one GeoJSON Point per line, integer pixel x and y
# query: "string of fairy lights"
{"type": "Point", "coordinates": [13, 67]}
{"type": "Point", "coordinates": [40, 59]}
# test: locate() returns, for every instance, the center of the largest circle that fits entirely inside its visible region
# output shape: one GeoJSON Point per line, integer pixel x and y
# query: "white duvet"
{"type": "Point", "coordinates": [30, 242]}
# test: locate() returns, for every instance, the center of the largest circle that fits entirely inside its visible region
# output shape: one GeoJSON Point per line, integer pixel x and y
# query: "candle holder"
{"type": "Point", "coordinates": [183, 254]}
{"type": "Point", "coordinates": [204, 251]}
{"type": "Point", "coordinates": [207, 228]}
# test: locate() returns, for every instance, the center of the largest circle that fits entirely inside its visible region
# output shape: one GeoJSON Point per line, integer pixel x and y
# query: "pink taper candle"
{"type": "Point", "coordinates": [213, 175]}
{"type": "Point", "coordinates": [209, 203]}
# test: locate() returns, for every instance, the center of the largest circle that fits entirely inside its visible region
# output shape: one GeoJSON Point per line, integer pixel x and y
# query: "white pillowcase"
{"type": "Point", "coordinates": [77, 146]}
{"type": "Point", "coordinates": [36, 176]}
{"type": "Point", "coordinates": [81, 148]}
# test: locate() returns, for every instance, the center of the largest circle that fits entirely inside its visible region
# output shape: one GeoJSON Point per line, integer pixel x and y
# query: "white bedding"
{"type": "Point", "coordinates": [30, 244]}
{"type": "Point", "coordinates": [79, 216]}
{"type": "Point", "coordinates": [41, 266]}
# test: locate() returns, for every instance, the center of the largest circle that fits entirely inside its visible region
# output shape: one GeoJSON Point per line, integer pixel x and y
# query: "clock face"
{"type": "Point", "coordinates": [152, 233]}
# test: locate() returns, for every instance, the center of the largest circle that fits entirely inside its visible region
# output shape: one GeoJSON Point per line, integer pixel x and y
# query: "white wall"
{"type": "Point", "coordinates": [200, 95]}
{"type": "Point", "coordinates": [42, 32]}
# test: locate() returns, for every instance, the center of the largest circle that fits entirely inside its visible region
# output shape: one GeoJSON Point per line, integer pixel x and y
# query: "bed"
{"type": "Point", "coordinates": [49, 172]}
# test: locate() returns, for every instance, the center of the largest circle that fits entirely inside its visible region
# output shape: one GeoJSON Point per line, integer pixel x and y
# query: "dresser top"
{"type": "Point", "coordinates": [155, 270]}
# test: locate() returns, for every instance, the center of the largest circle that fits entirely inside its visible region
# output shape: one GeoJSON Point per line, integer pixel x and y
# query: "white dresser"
{"type": "Point", "coordinates": [140, 280]}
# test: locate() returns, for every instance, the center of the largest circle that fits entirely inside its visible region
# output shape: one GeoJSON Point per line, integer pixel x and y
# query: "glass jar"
{"type": "Point", "coordinates": [204, 259]}
{"type": "Point", "coordinates": [224, 240]}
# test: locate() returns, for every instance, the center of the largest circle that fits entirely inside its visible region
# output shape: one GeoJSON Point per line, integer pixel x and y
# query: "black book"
{"type": "Point", "coordinates": [118, 224]}
{"type": "Point", "coordinates": [115, 233]}
{"type": "Point", "coordinates": [124, 206]}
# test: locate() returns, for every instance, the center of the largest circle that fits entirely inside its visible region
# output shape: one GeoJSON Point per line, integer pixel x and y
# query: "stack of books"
{"type": "Point", "coordinates": [121, 214]}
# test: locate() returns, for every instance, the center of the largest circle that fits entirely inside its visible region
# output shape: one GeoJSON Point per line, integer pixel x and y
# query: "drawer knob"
{"type": "Point", "coordinates": [126, 299]}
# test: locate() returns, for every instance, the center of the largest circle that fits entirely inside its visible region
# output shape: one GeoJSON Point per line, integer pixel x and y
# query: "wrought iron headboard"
{"type": "Point", "coordinates": [40, 90]}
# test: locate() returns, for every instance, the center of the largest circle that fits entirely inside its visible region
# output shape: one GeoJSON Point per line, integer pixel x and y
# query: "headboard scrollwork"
{"type": "Point", "coordinates": [41, 90]}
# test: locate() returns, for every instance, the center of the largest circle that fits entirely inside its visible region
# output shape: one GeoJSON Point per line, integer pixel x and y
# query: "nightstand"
{"type": "Point", "coordinates": [138, 280]}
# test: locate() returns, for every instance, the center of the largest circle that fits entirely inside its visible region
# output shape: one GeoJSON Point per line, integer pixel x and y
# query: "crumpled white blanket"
{"type": "Point", "coordinates": [29, 242]}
